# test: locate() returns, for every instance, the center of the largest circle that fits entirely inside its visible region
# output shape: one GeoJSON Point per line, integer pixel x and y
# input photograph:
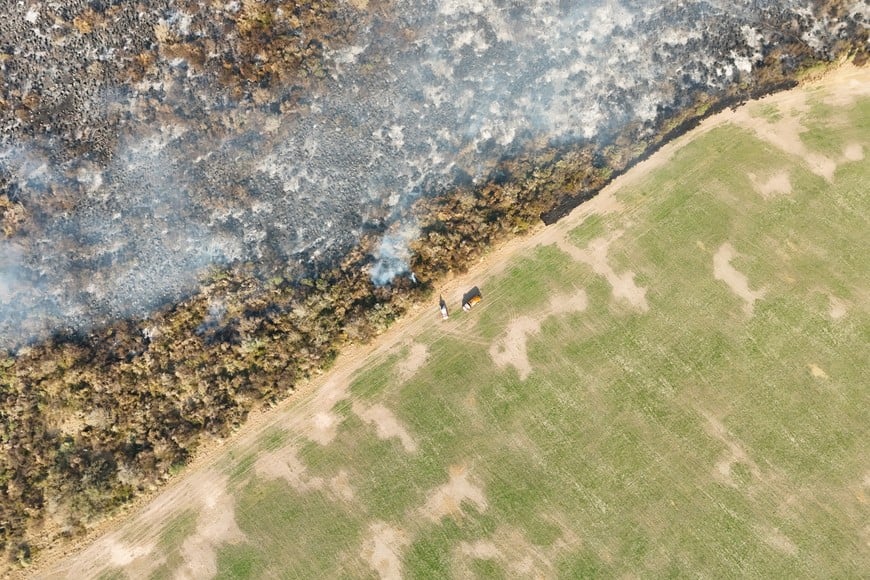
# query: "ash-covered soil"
{"type": "Point", "coordinates": [143, 142]}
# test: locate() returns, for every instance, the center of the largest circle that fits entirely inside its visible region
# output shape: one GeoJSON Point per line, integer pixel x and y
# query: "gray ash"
{"type": "Point", "coordinates": [149, 142]}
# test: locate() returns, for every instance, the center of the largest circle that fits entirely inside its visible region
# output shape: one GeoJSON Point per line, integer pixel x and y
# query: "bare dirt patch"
{"type": "Point", "coordinates": [216, 526]}
{"type": "Point", "coordinates": [446, 500]}
{"type": "Point", "coordinates": [735, 280]}
{"type": "Point", "coordinates": [817, 371]}
{"type": "Point", "coordinates": [568, 303]}
{"type": "Point", "coordinates": [323, 427]}
{"type": "Point", "coordinates": [773, 186]}
{"type": "Point", "coordinates": [340, 486]}
{"type": "Point", "coordinates": [785, 133]}
{"type": "Point", "coordinates": [735, 453]}
{"type": "Point", "coordinates": [510, 348]}
{"type": "Point", "coordinates": [853, 152]}
{"type": "Point", "coordinates": [383, 548]}
{"type": "Point", "coordinates": [509, 547]}
{"type": "Point", "coordinates": [841, 88]}
{"type": "Point", "coordinates": [836, 308]}
{"type": "Point", "coordinates": [417, 357]}
{"type": "Point", "coordinates": [123, 555]}
{"type": "Point", "coordinates": [137, 553]}
{"type": "Point", "coordinates": [320, 424]}
{"type": "Point", "coordinates": [285, 464]}
{"type": "Point", "coordinates": [386, 424]}
{"type": "Point", "coordinates": [778, 541]}
{"type": "Point", "coordinates": [480, 550]}
{"type": "Point", "coordinates": [595, 255]}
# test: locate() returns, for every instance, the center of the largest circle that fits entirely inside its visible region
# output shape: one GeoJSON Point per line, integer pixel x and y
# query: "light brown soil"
{"type": "Point", "coordinates": [137, 552]}
{"type": "Point", "coordinates": [285, 464]}
{"type": "Point", "coordinates": [510, 348]}
{"type": "Point", "coordinates": [817, 371]}
{"type": "Point", "coordinates": [382, 550]}
{"type": "Point", "coordinates": [837, 308]}
{"type": "Point", "coordinates": [508, 546]}
{"type": "Point", "coordinates": [129, 540]}
{"type": "Point", "coordinates": [842, 86]}
{"type": "Point", "coordinates": [480, 550]}
{"type": "Point", "coordinates": [595, 255]}
{"type": "Point", "coordinates": [774, 186]}
{"type": "Point", "coordinates": [216, 526]}
{"type": "Point", "coordinates": [735, 280]}
{"type": "Point", "coordinates": [734, 453]}
{"type": "Point", "coordinates": [386, 424]}
{"type": "Point", "coordinates": [322, 427]}
{"type": "Point", "coordinates": [853, 152]}
{"type": "Point", "coordinates": [446, 500]}
{"type": "Point", "coordinates": [785, 134]}
{"type": "Point", "coordinates": [340, 486]}
{"type": "Point", "coordinates": [778, 541]}
{"type": "Point", "coordinates": [416, 358]}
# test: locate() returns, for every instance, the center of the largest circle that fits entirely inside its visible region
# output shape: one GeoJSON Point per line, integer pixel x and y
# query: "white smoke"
{"type": "Point", "coordinates": [435, 98]}
{"type": "Point", "coordinates": [392, 255]}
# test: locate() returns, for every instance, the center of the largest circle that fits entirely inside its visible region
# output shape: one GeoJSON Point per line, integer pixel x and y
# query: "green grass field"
{"type": "Point", "coordinates": [697, 437]}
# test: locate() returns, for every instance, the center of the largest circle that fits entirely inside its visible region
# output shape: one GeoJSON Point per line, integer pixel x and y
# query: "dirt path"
{"type": "Point", "coordinates": [129, 539]}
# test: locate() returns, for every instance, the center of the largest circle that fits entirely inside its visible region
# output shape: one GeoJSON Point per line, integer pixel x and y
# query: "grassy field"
{"type": "Point", "coordinates": [684, 391]}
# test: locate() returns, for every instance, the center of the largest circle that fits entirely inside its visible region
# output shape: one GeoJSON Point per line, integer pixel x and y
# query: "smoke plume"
{"type": "Point", "coordinates": [179, 177]}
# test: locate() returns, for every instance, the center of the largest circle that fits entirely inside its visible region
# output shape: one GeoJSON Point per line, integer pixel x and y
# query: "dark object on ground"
{"type": "Point", "coordinates": [471, 298]}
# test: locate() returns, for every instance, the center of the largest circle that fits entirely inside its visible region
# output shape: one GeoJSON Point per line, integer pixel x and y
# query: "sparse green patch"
{"type": "Point", "coordinates": [273, 438]}
{"type": "Point", "coordinates": [290, 534]}
{"type": "Point", "coordinates": [591, 228]}
{"type": "Point", "coordinates": [767, 111]}
{"type": "Point", "coordinates": [375, 379]}
{"type": "Point", "coordinates": [525, 289]}
{"type": "Point", "coordinates": [178, 530]}
{"type": "Point", "coordinates": [113, 574]}
{"type": "Point", "coordinates": [240, 466]}
{"type": "Point", "coordinates": [692, 438]}
{"type": "Point", "coordinates": [487, 569]}
{"type": "Point", "coordinates": [173, 536]}
{"type": "Point", "coordinates": [239, 563]}
{"type": "Point", "coordinates": [823, 118]}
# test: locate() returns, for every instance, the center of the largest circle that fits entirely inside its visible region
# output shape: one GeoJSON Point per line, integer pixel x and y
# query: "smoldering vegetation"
{"type": "Point", "coordinates": [144, 147]}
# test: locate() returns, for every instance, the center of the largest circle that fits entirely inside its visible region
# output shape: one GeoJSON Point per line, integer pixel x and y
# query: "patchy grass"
{"type": "Point", "coordinates": [269, 514]}
{"type": "Point", "coordinates": [373, 380]}
{"type": "Point", "coordinates": [689, 439]}
{"type": "Point", "coordinates": [767, 111]}
{"type": "Point", "coordinates": [591, 228]}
